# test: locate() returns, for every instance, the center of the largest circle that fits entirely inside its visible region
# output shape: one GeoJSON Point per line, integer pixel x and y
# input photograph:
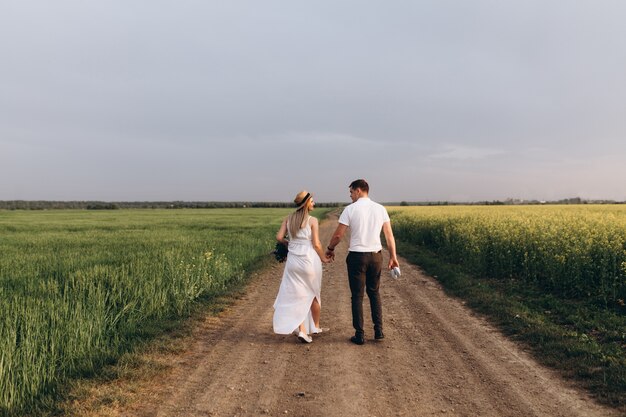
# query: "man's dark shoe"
{"type": "Point", "coordinates": [379, 335]}
{"type": "Point", "coordinates": [358, 339]}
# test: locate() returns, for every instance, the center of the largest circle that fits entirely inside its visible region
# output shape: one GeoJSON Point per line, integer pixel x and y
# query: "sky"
{"type": "Point", "coordinates": [199, 100]}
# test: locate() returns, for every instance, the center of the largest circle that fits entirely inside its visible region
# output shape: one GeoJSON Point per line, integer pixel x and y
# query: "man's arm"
{"type": "Point", "coordinates": [391, 245]}
{"type": "Point", "coordinates": [334, 241]}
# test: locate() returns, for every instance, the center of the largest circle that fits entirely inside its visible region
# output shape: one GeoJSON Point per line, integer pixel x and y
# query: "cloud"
{"type": "Point", "coordinates": [318, 138]}
{"type": "Point", "coordinates": [465, 153]}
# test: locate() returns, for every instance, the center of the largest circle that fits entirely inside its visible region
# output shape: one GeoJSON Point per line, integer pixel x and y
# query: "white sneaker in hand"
{"type": "Point", "coordinates": [395, 272]}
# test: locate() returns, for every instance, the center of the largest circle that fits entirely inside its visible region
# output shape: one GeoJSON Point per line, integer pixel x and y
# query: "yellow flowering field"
{"type": "Point", "coordinates": [573, 251]}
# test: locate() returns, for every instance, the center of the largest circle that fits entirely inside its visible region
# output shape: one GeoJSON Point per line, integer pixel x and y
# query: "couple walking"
{"type": "Point", "coordinates": [298, 305]}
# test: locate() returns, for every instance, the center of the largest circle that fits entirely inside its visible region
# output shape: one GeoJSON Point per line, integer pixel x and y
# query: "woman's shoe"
{"type": "Point", "coordinates": [320, 330]}
{"type": "Point", "coordinates": [304, 338]}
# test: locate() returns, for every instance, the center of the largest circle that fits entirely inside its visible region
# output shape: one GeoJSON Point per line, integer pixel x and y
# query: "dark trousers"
{"type": "Point", "coordinates": [364, 270]}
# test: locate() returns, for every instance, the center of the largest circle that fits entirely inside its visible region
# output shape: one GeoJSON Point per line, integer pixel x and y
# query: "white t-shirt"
{"type": "Point", "coordinates": [365, 218]}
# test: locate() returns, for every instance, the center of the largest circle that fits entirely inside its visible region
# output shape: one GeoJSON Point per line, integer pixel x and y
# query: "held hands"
{"type": "Point", "coordinates": [328, 256]}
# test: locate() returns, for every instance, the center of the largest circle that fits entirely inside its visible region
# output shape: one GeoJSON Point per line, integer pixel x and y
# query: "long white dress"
{"type": "Point", "coordinates": [300, 285]}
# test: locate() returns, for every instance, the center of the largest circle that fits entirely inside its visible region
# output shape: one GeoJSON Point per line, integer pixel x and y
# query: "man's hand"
{"type": "Point", "coordinates": [334, 241]}
{"type": "Point", "coordinates": [393, 262]}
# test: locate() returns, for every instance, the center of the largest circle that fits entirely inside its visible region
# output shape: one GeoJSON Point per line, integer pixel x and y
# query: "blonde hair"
{"type": "Point", "coordinates": [297, 219]}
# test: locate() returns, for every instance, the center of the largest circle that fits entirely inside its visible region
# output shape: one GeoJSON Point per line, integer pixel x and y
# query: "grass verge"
{"type": "Point", "coordinates": [582, 341]}
{"type": "Point", "coordinates": [118, 385]}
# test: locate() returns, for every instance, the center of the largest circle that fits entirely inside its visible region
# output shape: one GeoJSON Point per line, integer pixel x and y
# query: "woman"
{"type": "Point", "coordinates": [298, 304]}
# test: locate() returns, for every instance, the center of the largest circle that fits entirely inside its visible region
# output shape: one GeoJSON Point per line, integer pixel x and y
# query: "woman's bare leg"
{"type": "Point", "coordinates": [316, 311]}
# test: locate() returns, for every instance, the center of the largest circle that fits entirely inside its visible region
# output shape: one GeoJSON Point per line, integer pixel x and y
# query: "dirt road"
{"type": "Point", "coordinates": [437, 359]}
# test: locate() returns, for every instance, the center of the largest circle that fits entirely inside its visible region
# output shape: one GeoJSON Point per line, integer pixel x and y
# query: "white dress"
{"type": "Point", "coordinates": [300, 285]}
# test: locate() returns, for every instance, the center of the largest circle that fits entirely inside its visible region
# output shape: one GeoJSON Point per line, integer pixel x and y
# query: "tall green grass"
{"type": "Point", "coordinates": [79, 288]}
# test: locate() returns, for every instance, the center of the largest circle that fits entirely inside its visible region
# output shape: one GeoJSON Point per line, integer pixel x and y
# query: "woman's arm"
{"type": "Point", "coordinates": [280, 236]}
{"type": "Point", "coordinates": [315, 239]}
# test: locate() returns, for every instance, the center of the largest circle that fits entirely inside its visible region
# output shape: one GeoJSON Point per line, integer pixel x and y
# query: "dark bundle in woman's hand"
{"type": "Point", "coordinates": [280, 252]}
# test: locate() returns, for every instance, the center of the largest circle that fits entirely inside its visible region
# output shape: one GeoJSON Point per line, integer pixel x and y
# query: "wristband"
{"type": "Point", "coordinates": [332, 250]}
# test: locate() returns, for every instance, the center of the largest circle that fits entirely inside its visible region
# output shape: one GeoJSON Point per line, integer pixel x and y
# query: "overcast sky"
{"type": "Point", "coordinates": [256, 100]}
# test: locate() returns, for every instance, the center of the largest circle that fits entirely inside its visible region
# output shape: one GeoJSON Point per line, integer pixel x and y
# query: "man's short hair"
{"type": "Point", "coordinates": [362, 184]}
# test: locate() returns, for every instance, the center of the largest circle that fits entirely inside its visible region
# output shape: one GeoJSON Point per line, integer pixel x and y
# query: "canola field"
{"type": "Point", "coordinates": [78, 288]}
{"type": "Point", "coordinates": [572, 251]}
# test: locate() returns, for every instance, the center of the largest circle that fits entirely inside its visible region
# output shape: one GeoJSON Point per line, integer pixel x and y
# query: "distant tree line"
{"type": "Point", "coordinates": [103, 205]}
{"type": "Point", "coordinates": [507, 202]}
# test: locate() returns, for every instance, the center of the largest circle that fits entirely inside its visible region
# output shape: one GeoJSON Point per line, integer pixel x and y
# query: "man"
{"type": "Point", "coordinates": [365, 219]}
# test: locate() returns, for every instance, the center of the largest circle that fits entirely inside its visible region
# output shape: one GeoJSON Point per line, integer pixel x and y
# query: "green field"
{"type": "Point", "coordinates": [79, 288]}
